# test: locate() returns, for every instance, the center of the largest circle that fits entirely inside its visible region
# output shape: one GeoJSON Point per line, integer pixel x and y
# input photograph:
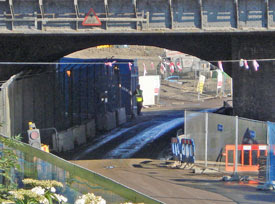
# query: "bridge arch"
{"type": "Point", "coordinates": [252, 98]}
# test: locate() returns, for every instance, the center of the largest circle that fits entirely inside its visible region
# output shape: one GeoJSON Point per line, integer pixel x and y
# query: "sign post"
{"type": "Point", "coordinates": [200, 85]}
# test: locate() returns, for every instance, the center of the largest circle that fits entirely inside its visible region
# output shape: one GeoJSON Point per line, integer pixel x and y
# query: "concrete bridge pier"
{"type": "Point", "coordinates": [254, 91]}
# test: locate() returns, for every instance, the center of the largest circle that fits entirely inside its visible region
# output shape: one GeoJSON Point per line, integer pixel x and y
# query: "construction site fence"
{"type": "Point", "coordinates": [64, 94]}
{"type": "Point", "coordinates": [211, 86]}
{"type": "Point", "coordinates": [232, 143]}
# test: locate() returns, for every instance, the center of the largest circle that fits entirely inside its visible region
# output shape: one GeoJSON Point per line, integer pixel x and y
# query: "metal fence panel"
{"type": "Point", "coordinates": [252, 131]}
{"type": "Point", "coordinates": [221, 131]}
{"type": "Point", "coordinates": [195, 129]}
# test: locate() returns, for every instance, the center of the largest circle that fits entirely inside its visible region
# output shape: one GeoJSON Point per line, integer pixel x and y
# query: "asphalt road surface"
{"type": "Point", "coordinates": [147, 136]}
{"type": "Point", "coordinates": [177, 186]}
{"type": "Point", "coordinates": [136, 155]}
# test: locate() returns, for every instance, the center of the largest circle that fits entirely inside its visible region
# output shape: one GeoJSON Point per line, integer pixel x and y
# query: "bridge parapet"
{"type": "Point", "coordinates": [137, 15]}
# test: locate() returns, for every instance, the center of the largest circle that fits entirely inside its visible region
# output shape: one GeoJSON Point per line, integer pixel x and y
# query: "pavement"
{"type": "Point", "coordinates": [158, 180]}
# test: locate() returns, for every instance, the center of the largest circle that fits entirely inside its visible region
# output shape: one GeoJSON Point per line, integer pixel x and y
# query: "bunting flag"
{"type": "Point", "coordinates": [220, 65]}
{"type": "Point", "coordinates": [144, 71]}
{"type": "Point", "coordinates": [179, 66]}
{"type": "Point", "coordinates": [241, 63]}
{"type": "Point", "coordinates": [152, 65]}
{"type": "Point", "coordinates": [110, 64]}
{"type": "Point", "coordinates": [220, 79]}
{"type": "Point", "coordinates": [172, 67]}
{"type": "Point", "coordinates": [162, 68]}
{"type": "Point", "coordinates": [130, 66]}
{"type": "Point", "coordinates": [246, 64]}
{"type": "Point", "coordinates": [256, 65]}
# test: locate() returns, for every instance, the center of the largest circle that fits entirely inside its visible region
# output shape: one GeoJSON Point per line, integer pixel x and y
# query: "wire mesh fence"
{"type": "Point", "coordinates": [209, 87]}
{"type": "Point", "coordinates": [234, 144]}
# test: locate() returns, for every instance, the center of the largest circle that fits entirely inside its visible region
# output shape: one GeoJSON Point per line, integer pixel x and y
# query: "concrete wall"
{"type": "Point", "coordinates": [24, 99]}
{"type": "Point", "coordinates": [6, 108]}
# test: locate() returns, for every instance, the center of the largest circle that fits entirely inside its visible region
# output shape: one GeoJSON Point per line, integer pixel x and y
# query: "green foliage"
{"type": "Point", "coordinates": [8, 162]}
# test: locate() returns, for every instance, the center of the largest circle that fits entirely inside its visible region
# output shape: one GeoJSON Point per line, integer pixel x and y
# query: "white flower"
{"type": "Point", "coordinates": [90, 198]}
{"type": "Point", "coordinates": [61, 198]}
{"type": "Point", "coordinates": [38, 190]}
{"type": "Point", "coordinates": [102, 201]}
{"type": "Point", "coordinates": [53, 190]}
{"type": "Point", "coordinates": [45, 201]}
{"type": "Point", "coordinates": [15, 194]}
{"type": "Point", "coordinates": [80, 201]}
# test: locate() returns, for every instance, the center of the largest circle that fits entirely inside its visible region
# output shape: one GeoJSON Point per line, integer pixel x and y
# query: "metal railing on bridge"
{"type": "Point", "coordinates": [179, 16]}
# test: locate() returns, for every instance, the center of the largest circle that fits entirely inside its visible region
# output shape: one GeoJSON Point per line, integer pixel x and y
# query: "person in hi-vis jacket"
{"type": "Point", "coordinates": [139, 98]}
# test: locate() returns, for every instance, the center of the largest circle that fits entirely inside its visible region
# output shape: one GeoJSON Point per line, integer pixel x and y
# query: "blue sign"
{"type": "Point", "coordinates": [252, 134]}
{"type": "Point", "coordinates": [220, 127]}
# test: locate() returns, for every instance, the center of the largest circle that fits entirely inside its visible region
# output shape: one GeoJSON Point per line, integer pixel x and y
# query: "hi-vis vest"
{"type": "Point", "coordinates": [139, 96]}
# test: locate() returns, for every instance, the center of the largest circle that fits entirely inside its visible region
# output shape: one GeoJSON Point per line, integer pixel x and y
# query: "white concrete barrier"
{"type": "Point", "coordinates": [79, 134]}
{"type": "Point", "coordinates": [90, 129]}
{"type": "Point", "coordinates": [110, 121]}
{"type": "Point", "coordinates": [64, 141]}
{"type": "Point", "coordinates": [120, 116]}
{"type": "Point", "coordinates": [100, 122]}
{"type": "Point", "coordinates": [106, 122]}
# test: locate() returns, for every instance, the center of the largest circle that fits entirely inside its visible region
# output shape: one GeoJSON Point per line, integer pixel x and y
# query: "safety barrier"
{"type": "Point", "coordinates": [249, 155]}
{"type": "Point", "coordinates": [175, 148]}
{"type": "Point", "coordinates": [188, 150]}
{"type": "Point", "coordinates": [183, 149]}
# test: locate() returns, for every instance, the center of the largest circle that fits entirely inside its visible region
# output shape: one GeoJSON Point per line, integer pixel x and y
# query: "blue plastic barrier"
{"type": "Point", "coordinates": [175, 148]}
{"type": "Point", "coordinates": [183, 150]}
{"type": "Point", "coordinates": [188, 150]}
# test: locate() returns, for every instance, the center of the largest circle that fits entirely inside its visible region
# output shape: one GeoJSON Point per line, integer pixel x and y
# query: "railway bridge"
{"type": "Point", "coordinates": [214, 30]}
